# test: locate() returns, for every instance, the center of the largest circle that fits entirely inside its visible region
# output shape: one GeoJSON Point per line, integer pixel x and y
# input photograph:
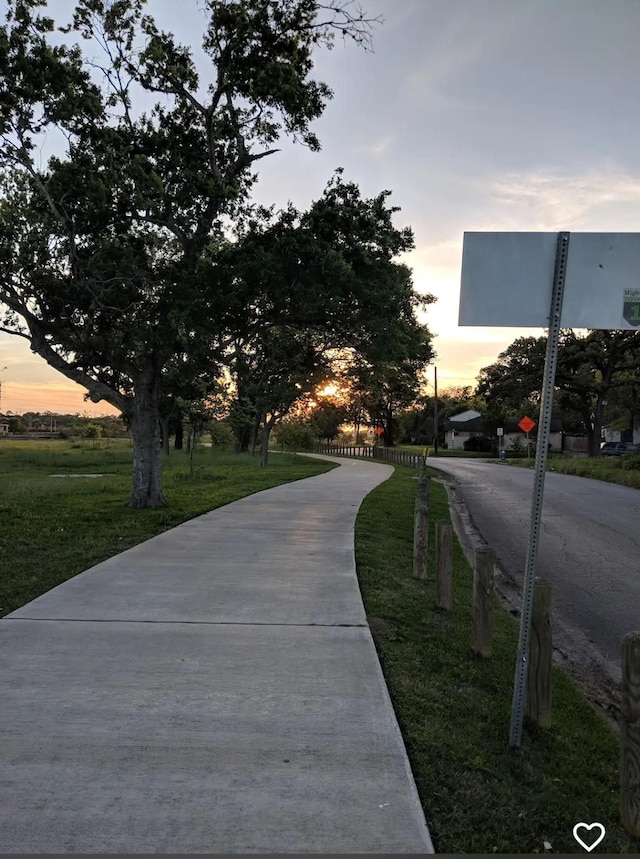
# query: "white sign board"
{"type": "Point", "coordinates": [507, 280]}
{"type": "Point", "coordinates": [500, 430]}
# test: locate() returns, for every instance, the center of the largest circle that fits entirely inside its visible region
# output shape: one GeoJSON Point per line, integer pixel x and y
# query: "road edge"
{"type": "Point", "coordinates": [598, 678]}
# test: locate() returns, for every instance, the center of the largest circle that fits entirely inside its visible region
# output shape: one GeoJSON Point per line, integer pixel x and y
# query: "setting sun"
{"type": "Point", "coordinates": [329, 390]}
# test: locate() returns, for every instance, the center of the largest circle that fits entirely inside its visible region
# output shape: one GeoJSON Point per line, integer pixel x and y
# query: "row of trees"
{"type": "Point", "coordinates": [597, 379]}
{"type": "Point", "coordinates": [109, 426]}
{"type": "Point", "coordinates": [135, 261]}
{"type": "Point", "coordinates": [598, 375]}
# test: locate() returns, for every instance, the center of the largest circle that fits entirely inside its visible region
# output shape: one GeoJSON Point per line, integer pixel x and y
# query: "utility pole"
{"type": "Point", "coordinates": [1, 371]}
{"type": "Point", "coordinates": [435, 412]}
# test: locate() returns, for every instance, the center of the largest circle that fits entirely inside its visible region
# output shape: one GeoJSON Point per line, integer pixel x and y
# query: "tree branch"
{"type": "Point", "coordinates": [14, 332]}
{"type": "Point", "coordinates": [97, 390]}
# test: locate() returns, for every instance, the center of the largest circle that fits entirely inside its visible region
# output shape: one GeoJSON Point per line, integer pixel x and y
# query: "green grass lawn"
{"type": "Point", "coordinates": [54, 528]}
{"type": "Point", "coordinates": [612, 469]}
{"type": "Point", "coordinates": [454, 709]}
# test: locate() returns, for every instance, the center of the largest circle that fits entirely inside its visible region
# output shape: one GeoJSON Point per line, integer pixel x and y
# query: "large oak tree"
{"type": "Point", "coordinates": [105, 251]}
{"type": "Point", "coordinates": [313, 285]}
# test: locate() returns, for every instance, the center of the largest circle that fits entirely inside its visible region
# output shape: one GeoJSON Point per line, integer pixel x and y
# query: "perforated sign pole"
{"type": "Point", "coordinates": [551, 360]}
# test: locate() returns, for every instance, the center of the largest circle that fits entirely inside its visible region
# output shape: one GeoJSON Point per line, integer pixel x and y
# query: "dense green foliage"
{"type": "Point", "coordinates": [111, 253]}
{"type": "Point", "coordinates": [591, 369]}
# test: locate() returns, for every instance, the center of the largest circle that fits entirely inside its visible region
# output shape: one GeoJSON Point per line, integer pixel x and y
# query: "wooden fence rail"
{"type": "Point", "coordinates": [483, 592]}
{"type": "Point", "coordinates": [421, 526]}
{"type": "Point", "coordinates": [630, 734]}
{"type": "Point", "coordinates": [444, 565]}
{"type": "Point", "coordinates": [538, 707]}
{"type": "Point", "coordinates": [379, 454]}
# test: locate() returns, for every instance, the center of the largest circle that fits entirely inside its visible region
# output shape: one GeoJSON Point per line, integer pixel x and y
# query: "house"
{"type": "Point", "coordinates": [609, 434]}
{"type": "Point", "coordinates": [461, 427]}
{"type": "Point", "coordinates": [470, 423]}
{"type": "Point", "coordinates": [4, 429]}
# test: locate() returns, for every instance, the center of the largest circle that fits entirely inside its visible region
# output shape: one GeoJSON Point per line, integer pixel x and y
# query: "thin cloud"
{"type": "Point", "coordinates": [378, 147]}
{"type": "Point", "coordinates": [549, 200]}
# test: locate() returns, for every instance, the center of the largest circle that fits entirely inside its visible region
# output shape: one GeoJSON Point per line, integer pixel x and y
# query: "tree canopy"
{"type": "Point", "coordinates": [589, 368]}
{"type": "Point", "coordinates": [108, 252]}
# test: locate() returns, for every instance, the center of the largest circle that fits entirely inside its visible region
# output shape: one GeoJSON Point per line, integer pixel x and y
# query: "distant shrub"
{"type": "Point", "coordinates": [479, 443]}
{"type": "Point", "coordinates": [92, 430]}
{"type": "Point", "coordinates": [295, 434]}
{"type": "Point", "coordinates": [630, 461]}
{"type": "Point", "coordinates": [222, 436]}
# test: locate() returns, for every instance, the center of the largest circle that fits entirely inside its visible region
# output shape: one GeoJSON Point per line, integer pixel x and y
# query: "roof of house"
{"type": "Point", "coordinates": [467, 415]}
{"type": "Point", "coordinates": [475, 424]}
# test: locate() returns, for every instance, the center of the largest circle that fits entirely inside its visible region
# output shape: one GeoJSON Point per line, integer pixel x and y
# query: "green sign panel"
{"type": "Point", "coordinates": [631, 306]}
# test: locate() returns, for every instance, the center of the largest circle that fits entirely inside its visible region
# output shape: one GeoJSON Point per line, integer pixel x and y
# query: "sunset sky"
{"type": "Point", "coordinates": [477, 115]}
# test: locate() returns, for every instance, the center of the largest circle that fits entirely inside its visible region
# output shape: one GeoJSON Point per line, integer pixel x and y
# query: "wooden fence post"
{"type": "Point", "coordinates": [444, 589]}
{"type": "Point", "coordinates": [421, 527]}
{"type": "Point", "coordinates": [422, 470]}
{"type": "Point", "coordinates": [538, 707]}
{"type": "Point", "coordinates": [630, 734]}
{"type": "Point", "coordinates": [482, 624]}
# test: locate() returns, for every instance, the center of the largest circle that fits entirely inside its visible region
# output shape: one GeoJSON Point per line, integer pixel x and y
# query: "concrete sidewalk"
{"type": "Point", "coordinates": [212, 690]}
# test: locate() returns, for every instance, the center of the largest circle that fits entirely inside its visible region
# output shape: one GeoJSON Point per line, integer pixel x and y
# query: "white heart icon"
{"type": "Point", "coordinates": [588, 827]}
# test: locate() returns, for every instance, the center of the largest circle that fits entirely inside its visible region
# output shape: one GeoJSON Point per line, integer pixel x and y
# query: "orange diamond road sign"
{"type": "Point", "coordinates": [526, 424]}
{"type": "Point", "coordinates": [378, 430]}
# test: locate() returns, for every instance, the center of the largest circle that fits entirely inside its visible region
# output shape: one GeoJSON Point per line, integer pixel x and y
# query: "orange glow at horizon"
{"type": "Point", "coordinates": [57, 397]}
{"type": "Point", "coordinates": [329, 390]}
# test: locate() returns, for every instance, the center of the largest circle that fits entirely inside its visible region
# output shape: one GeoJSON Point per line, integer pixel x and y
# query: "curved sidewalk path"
{"type": "Point", "coordinates": [212, 690]}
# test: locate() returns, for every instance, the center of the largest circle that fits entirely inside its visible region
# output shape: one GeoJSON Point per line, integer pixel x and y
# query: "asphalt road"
{"type": "Point", "coordinates": [589, 548]}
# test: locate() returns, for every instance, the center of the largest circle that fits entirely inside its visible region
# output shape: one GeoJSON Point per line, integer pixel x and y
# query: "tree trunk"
{"type": "Point", "coordinates": [179, 436]}
{"type": "Point", "coordinates": [146, 487]}
{"type": "Point", "coordinates": [254, 435]}
{"type": "Point", "coordinates": [594, 430]}
{"type": "Point", "coordinates": [193, 444]}
{"type": "Point", "coordinates": [264, 446]}
{"type": "Point", "coordinates": [632, 412]}
{"type": "Point", "coordinates": [179, 431]}
{"type": "Point", "coordinates": [164, 432]}
{"type": "Point", "coordinates": [388, 428]}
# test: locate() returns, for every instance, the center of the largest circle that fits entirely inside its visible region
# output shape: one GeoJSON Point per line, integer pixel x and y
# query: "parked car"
{"type": "Point", "coordinates": [618, 448]}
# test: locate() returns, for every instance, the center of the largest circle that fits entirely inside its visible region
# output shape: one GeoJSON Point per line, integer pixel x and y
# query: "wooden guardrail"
{"type": "Point", "coordinates": [630, 734]}
{"type": "Point", "coordinates": [483, 595]}
{"type": "Point", "coordinates": [421, 526]}
{"type": "Point", "coordinates": [377, 453]}
{"type": "Point", "coordinates": [538, 702]}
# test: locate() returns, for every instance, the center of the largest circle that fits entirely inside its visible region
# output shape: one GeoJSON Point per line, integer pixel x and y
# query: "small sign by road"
{"type": "Point", "coordinates": [526, 424]}
{"type": "Point", "coordinates": [378, 430]}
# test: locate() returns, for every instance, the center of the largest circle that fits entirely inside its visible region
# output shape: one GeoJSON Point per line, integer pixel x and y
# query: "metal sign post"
{"type": "Point", "coordinates": [551, 360]}
{"type": "Point", "coordinates": [505, 282]}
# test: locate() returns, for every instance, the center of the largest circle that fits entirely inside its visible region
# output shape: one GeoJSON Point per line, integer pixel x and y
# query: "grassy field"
{"type": "Point", "coordinates": [54, 528]}
{"type": "Point", "coordinates": [454, 709]}
{"type": "Point", "coordinates": [612, 469]}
